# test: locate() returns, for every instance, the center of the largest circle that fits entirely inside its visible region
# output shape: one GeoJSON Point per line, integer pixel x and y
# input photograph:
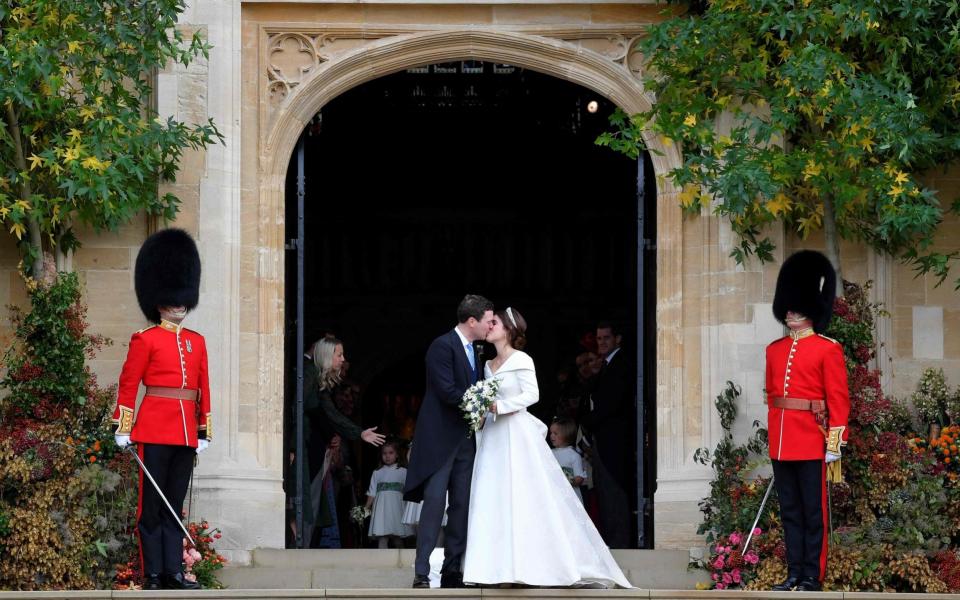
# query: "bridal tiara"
{"type": "Point", "coordinates": [512, 320]}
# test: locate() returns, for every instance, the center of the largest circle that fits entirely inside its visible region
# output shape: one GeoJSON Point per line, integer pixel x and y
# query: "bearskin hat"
{"type": "Point", "coordinates": [807, 284]}
{"type": "Point", "coordinates": [167, 272]}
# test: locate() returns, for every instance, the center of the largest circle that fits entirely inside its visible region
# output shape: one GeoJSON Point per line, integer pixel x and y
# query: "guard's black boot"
{"type": "Point", "coordinates": [178, 582]}
{"type": "Point", "coordinates": [151, 582]}
{"type": "Point", "coordinates": [787, 585]}
{"type": "Point", "coordinates": [809, 584]}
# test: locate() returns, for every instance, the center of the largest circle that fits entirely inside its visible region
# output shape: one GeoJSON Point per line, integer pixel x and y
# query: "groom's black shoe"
{"type": "Point", "coordinates": [451, 579]}
{"type": "Point", "coordinates": [421, 581]}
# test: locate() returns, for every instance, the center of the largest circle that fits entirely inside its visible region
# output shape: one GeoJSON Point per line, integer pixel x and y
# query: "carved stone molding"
{"type": "Point", "coordinates": [292, 54]}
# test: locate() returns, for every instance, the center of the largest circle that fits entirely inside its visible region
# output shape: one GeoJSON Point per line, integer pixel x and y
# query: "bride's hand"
{"type": "Point", "coordinates": [493, 407]}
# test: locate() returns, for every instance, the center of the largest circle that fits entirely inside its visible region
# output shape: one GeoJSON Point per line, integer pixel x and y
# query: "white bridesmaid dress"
{"type": "Point", "coordinates": [526, 524]}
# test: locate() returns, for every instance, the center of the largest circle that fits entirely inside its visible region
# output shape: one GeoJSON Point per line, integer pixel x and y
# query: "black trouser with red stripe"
{"type": "Point", "coordinates": [802, 491]}
{"type": "Point", "coordinates": [161, 538]}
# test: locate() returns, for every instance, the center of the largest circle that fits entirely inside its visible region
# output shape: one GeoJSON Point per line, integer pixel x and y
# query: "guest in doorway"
{"type": "Point", "coordinates": [385, 499]}
{"type": "Point", "coordinates": [324, 426]}
{"type": "Point", "coordinates": [611, 422]}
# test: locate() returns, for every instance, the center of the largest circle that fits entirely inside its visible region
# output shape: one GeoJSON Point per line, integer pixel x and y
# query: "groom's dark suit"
{"type": "Point", "coordinates": [442, 458]}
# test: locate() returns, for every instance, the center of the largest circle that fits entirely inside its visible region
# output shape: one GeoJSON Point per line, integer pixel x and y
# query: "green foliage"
{"type": "Point", "coordinates": [65, 493]}
{"type": "Point", "coordinates": [45, 367]}
{"type": "Point", "coordinates": [79, 141]}
{"type": "Point", "coordinates": [734, 501]}
{"type": "Point", "coordinates": [835, 106]}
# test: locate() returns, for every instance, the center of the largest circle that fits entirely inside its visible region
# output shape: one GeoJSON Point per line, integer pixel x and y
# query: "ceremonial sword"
{"type": "Point", "coordinates": [757, 520]}
{"type": "Point", "coordinates": [162, 497]}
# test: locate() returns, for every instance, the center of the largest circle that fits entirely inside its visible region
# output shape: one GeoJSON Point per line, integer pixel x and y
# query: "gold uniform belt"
{"type": "Point", "coordinates": [814, 406]}
{"type": "Point", "coordinates": [172, 393]}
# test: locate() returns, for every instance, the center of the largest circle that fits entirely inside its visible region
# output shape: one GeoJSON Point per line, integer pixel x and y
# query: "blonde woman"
{"type": "Point", "coordinates": [324, 426]}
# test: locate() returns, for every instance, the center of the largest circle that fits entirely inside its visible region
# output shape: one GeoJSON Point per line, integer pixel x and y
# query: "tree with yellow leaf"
{"type": "Point", "coordinates": [79, 140]}
{"type": "Point", "coordinates": [838, 107]}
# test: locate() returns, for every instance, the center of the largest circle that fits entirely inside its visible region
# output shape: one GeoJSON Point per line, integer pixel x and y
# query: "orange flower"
{"type": "Point", "coordinates": [947, 460]}
{"type": "Point", "coordinates": [953, 447]}
{"type": "Point", "coordinates": [70, 441]}
{"type": "Point", "coordinates": [93, 459]}
{"type": "Point", "coordinates": [96, 445]}
{"type": "Point", "coordinates": [946, 451]}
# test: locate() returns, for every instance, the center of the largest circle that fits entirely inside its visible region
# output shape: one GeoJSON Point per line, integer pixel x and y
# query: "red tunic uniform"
{"type": "Point", "coordinates": [810, 367]}
{"type": "Point", "coordinates": [165, 356]}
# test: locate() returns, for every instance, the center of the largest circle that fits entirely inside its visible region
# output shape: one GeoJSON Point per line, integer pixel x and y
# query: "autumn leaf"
{"type": "Point", "coordinates": [35, 161]}
{"type": "Point", "coordinates": [18, 230]}
{"type": "Point", "coordinates": [780, 204]}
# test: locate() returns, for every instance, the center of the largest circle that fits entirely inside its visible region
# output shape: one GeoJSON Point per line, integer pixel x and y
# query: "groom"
{"type": "Point", "coordinates": [442, 459]}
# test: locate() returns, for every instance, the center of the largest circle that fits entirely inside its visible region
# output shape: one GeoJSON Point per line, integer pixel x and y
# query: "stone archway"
{"type": "Point", "coordinates": [282, 121]}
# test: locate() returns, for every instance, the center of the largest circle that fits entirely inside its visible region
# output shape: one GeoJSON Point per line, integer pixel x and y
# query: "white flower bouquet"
{"type": "Point", "coordinates": [477, 400]}
{"type": "Point", "coordinates": [359, 513]}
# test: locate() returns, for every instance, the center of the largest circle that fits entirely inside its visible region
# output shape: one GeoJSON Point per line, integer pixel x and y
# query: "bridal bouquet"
{"type": "Point", "coordinates": [476, 402]}
{"type": "Point", "coordinates": [359, 513]}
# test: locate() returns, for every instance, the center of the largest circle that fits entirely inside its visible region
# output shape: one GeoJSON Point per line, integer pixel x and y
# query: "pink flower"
{"type": "Point", "coordinates": [190, 577]}
{"type": "Point", "coordinates": [727, 579]}
{"type": "Point", "coordinates": [751, 557]}
{"type": "Point", "coordinates": [194, 554]}
{"type": "Point", "coordinates": [735, 574]}
{"type": "Point", "coordinates": [718, 564]}
{"type": "Point", "coordinates": [735, 539]}
{"type": "Point", "coordinates": [721, 586]}
{"type": "Point", "coordinates": [714, 576]}
{"type": "Point", "coordinates": [757, 531]}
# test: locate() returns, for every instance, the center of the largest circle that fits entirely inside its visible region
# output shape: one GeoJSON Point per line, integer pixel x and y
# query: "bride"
{"type": "Point", "coordinates": [526, 524]}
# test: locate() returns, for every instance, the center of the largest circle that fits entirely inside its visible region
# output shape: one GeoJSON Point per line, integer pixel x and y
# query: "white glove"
{"type": "Point", "coordinates": [202, 445]}
{"type": "Point", "coordinates": [831, 457]}
{"type": "Point", "coordinates": [122, 440]}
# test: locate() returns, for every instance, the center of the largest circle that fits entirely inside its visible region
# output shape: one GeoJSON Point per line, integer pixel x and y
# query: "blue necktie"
{"type": "Point", "coordinates": [473, 361]}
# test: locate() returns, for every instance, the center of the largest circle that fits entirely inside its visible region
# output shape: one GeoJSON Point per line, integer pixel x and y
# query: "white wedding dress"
{"type": "Point", "coordinates": [526, 524]}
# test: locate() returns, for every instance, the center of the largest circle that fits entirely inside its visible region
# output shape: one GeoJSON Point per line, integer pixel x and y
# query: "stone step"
{"type": "Point", "coordinates": [363, 568]}
{"type": "Point", "coordinates": [499, 594]}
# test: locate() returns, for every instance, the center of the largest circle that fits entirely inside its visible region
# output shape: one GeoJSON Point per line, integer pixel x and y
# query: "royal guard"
{"type": "Point", "coordinates": [172, 425]}
{"type": "Point", "coordinates": [808, 404]}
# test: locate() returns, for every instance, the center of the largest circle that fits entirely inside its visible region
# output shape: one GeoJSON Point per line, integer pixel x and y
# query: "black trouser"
{"type": "Point", "coordinates": [161, 538]}
{"type": "Point", "coordinates": [801, 489]}
{"type": "Point", "coordinates": [455, 477]}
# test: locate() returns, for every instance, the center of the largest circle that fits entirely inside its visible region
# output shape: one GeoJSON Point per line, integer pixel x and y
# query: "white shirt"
{"type": "Point", "coordinates": [611, 355]}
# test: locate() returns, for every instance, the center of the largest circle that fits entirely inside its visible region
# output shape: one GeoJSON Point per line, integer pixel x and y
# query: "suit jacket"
{"type": "Point", "coordinates": [441, 427]}
{"type": "Point", "coordinates": [613, 419]}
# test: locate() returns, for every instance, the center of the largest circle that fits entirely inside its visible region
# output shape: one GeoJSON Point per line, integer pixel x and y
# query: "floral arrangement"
{"type": "Point", "coordinates": [359, 513]}
{"type": "Point", "coordinates": [201, 561]}
{"type": "Point", "coordinates": [943, 448]}
{"type": "Point", "coordinates": [477, 400]}
{"type": "Point", "coordinates": [729, 567]}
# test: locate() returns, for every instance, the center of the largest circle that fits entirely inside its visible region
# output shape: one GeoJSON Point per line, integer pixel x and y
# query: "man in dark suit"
{"type": "Point", "coordinates": [441, 463]}
{"type": "Point", "coordinates": [612, 421]}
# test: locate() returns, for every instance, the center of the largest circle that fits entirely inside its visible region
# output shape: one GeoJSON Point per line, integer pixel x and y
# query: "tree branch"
{"type": "Point", "coordinates": [26, 192]}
